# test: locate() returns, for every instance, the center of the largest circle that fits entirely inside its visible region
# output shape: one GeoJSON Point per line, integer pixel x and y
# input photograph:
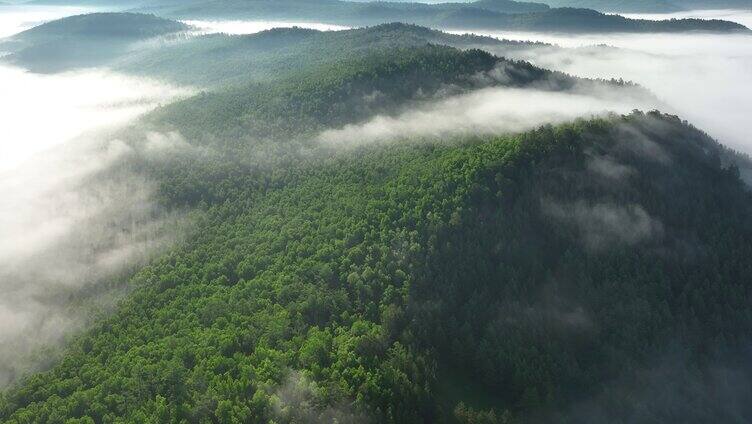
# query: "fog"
{"type": "Point", "coordinates": [705, 78]}
{"type": "Point", "coordinates": [73, 215]}
{"type": "Point", "coordinates": [486, 111]}
{"type": "Point", "coordinates": [252, 27]}
{"type": "Point", "coordinates": [41, 111]}
{"type": "Point", "coordinates": [743, 17]}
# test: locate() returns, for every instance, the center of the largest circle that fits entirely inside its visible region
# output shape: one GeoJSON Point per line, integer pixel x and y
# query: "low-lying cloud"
{"type": "Point", "coordinates": [297, 400]}
{"type": "Point", "coordinates": [237, 27]}
{"type": "Point", "coordinates": [486, 111]}
{"type": "Point", "coordinates": [705, 78]}
{"type": "Point", "coordinates": [42, 111]}
{"type": "Point", "coordinates": [605, 225]}
{"type": "Point", "coordinates": [74, 216]}
{"type": "Point", "coordinates": [71, 223]}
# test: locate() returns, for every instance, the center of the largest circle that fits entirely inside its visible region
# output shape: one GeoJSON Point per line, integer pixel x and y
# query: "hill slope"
{"type": "Point", "coordinates": [220, 59]}
{"type": "Point", "coordinates": [359, 85]}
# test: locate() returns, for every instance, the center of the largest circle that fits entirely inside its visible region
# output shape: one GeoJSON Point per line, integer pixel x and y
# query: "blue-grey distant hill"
{"type": "Point", "coordinates": [564, 16]}
{"type": "Point", "coordinates": [648, 6]}
{"type": "Point", "coordinates": [84, 40]}
{"type": "Point", "coordinates": [480, 15]}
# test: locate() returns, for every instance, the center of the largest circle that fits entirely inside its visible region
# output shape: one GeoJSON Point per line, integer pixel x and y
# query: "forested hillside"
{"type": "Point", "coordinates": [265, 124]}
{"type": "Point", "coordinates": [583, 21]}
{"type": "Point", "coordinates": [596, 271]}
{"type": "Point", "coordinates": [357, 86]}
{"type": "Point", "coordinates": [220, 59]}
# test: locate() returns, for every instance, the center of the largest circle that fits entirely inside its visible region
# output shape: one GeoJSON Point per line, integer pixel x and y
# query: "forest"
{"type": "Point", "coordinates": [588, 270]}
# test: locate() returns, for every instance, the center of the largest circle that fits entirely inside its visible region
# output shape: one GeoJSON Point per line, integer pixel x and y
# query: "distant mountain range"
{"type": "Point", "coordinates": [480, 15]}
{"type": "Point", "coordinates": [503, 6]}
{"type": "Point", "coordinates": [104, 38]}
{"type": "Point", "coordinates": [647, 6]}
{"type": "Point", "coordinates": [146, 45]}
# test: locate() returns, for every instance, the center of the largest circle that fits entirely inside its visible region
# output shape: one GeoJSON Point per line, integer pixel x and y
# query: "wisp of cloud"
{"type": "Point", "coordinates": [237, 27]}
{"type": "Point", "coordinates": [486, 111]}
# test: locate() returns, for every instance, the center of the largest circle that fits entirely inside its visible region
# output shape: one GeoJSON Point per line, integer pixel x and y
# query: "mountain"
{"type": "Point", "coordinates": [272, 54]}
{"type": "Point", "coordinates": [361, 13]}
{"type": "Point", "coordinates": [339, 92]}
{"type": "Point", "coordinates": [595, 271]}
{"type": "Point", "coordinates": [580, 21]}
{"type": "Point", "coordinates": [503, 6]}
{"type": "Point", "coordinates": [104, 25]}
{"type": "Point", "coordinates": [84, 40]}
{"type": "Point", "coordinates": [216, 60]}
{"type": "Point", "coordinates": [118, 40]}
{"type": "Point", "coordinates": [71, 43]}
{"type": "Point", "coordinates": [623, 6]}
{"type": "Point", "coordinates": [651, 6]}
{"type": "Point", "coordinates": [486, 15]}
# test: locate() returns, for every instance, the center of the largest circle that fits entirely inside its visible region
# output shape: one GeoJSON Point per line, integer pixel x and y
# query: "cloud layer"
{"type": "Point", "coordinates": [705, 78]}
{"type": "Point", "coordinates": [73, 214]}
